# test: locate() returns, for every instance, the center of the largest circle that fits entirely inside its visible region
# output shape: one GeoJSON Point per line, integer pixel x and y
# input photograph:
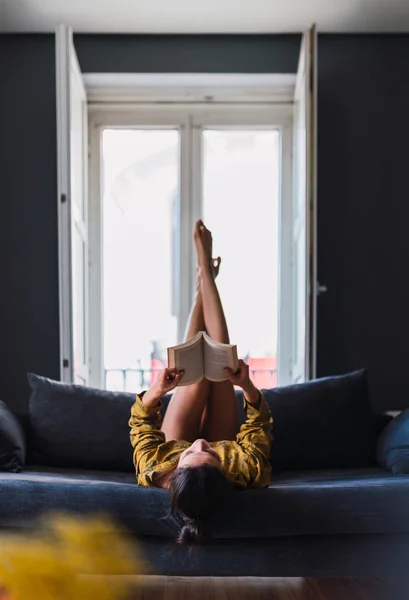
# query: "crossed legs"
{"type": "Point", "coordinates": [204, 410]}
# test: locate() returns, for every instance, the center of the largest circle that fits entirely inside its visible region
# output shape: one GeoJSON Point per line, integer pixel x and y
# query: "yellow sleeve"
{"type": "Point", "coordinates": [145, 434]}
{"type": "Point", "coordinates": [255, 437]}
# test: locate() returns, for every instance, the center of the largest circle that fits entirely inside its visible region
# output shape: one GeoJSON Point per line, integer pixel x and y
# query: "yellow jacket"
{"type": "Point", "coordinates": [245, 460]}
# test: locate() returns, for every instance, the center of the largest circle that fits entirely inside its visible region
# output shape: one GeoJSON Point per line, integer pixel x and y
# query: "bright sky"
{"type": "Point", "coordinates": [141, 185]}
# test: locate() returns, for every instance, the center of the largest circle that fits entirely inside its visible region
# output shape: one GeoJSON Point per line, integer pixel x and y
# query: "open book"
{"type": "Point", "coordinates": [203, 357]}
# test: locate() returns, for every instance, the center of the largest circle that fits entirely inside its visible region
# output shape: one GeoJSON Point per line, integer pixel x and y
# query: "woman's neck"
{"type": "Point", "coordinates": [163, 480]}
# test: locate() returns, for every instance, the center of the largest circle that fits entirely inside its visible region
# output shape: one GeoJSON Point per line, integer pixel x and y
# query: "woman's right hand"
{"type": "Point", "coordinates": [241, 377]}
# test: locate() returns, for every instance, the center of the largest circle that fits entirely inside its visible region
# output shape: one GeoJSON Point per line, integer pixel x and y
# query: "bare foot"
{"type": "Point", "coordinates": [204, 245]}
{"type": "Point", "coordinates": [215, 268]}
{"type": "Point", "coordinates": [216, 262]}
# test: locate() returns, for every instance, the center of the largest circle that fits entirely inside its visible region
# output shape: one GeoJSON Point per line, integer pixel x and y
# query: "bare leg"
{"type": "Point", "coordinates": [183, 417]}
{"type": "Point", "coordinates": [204, 409]}
{"type": "Point", "coordinates": [195, 321]}
{"type": "Point", "coordinates": [220, 417]}
{"type": "Point", "coordinates": [213, 313]}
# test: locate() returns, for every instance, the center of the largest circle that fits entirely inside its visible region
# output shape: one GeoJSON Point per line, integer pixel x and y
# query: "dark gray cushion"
{"type": "Point", "coordinates": [76, 426]}
{"type": "Point", "coordinates": [366, 501]}
{"type": "Point", "coordinates": [326, 423]}
{"type": "Point", "coordinates": [393, 445]}
{"type": "Point", "coordinates": [12, 441]}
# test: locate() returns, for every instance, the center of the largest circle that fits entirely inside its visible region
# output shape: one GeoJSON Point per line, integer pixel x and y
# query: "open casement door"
{"type": "Point", "coordinates": [72, 210]}
{"type": "Point", "coordinates": [304, 220]}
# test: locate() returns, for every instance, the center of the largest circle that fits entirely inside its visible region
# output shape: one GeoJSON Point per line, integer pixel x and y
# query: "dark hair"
{"type": "Point", "coordinates": [197, 494]}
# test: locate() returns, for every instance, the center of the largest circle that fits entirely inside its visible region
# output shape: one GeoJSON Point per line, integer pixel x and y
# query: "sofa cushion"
{"type": "Point", "coordinates": [12, 441]}
{"type": "Point", "coordinates": [393, 445]}
{"type": "Point", "coordinates": [76, 426]}
{"type": "Point", "coordinates": [361, 501]}
{"type": "Point", "coordinates": [326, 423]}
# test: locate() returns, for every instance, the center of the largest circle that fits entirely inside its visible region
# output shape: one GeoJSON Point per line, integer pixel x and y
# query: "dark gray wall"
{"type": "Point", "coordinates": [362, 186]}
{"type": "Point", "coordinates": [188, 53]}
{"type": "Point", "coordinates": [29, 330]}
{"type": "Point", "coordinates": [363, 199]}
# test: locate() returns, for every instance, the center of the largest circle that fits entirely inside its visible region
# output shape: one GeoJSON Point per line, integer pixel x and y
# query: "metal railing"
{"type": "Point", "coordinates": [133, 380]}
{"type": "Point", "coordinates": [126, 380]}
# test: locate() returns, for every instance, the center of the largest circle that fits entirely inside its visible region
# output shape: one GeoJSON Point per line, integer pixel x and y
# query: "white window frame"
{"type": "Point", "coordinates": [191, 119]}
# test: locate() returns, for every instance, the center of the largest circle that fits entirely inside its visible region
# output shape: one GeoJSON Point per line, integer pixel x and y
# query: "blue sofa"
{"type": "Point", "coordinates": [330, 509]}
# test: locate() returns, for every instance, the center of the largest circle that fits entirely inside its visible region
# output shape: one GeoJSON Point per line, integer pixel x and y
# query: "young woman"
{"type": "Point", "coordinates": [198, 452]}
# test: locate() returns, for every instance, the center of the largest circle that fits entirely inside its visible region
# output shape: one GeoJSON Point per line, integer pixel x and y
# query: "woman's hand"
{"type": "Point", "coordinates": [167, 380]}
{"type": "Point", "coordinates": [241, 378]}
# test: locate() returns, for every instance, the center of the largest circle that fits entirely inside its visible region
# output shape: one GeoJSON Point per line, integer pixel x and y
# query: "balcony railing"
{"type": "Point", "coordinates": [135, 380]}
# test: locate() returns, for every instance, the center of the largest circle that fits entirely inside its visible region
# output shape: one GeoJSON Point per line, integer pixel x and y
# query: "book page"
{"type": "Point", "coordinates": [189, 357]}
{"type": "Point", "coordinates": [217, 357]}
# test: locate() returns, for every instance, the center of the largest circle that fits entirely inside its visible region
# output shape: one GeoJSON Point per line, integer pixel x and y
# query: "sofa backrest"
{"type": "Point", "coordinates": [327, 423]}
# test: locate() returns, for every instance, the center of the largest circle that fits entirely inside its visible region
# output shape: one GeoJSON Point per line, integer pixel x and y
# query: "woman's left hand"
{"type": "Point", "coordinates": [167, 380]}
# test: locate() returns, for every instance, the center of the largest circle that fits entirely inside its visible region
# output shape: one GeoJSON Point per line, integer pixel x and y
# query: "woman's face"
{"type": "Point", "coordinates": [200, 453]}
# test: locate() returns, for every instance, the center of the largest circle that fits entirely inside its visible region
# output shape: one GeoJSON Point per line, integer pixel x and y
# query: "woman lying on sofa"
{"type": "Point", "coordinates": [192, 452]}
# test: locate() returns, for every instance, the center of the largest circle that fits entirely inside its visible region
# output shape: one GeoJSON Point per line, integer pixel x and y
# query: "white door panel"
{"type": "Point", "coordinates": [72, 130]}
{"type": "Point", "coordinates": [304, 215]}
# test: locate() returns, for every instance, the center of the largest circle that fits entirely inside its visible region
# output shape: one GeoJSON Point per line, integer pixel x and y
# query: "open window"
{"type": "Point", "coordinates": [72, 131]}
{"type": "Point", "coordinates": [154, 171]}
{"type": "Point", "coordinates": [160, 157]}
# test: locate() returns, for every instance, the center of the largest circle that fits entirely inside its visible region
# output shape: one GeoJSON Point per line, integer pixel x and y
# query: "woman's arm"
{"type": "Point", "coordinates": [257, 430]}
{"type": "Point", "coordinates": [145, 434]}
{"type": "Point", "coordinates": [255, 435]}
{"type": "Point", "coordinates": [146, 420]}
{"type": "Point", "coordinates": [251, 394]}
{"type": "Point", "coordinates": [241, 378]}
{"type": "Point", "coordinates": [254, 438]}
{"type": "Point", "coordinates": [167, 380]}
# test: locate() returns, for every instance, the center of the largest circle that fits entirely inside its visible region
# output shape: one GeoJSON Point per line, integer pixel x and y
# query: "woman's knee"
{"type": "Point", "coordinates": [193, 392]}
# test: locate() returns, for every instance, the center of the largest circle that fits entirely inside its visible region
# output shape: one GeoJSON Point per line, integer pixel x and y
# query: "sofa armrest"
{"type": "Point", "coordinates": [12, 441]}
{"type": "Point", "coordinates": [393, 445]}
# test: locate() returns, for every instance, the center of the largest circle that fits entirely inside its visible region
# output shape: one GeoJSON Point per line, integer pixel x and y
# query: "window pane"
{"type": "Point", "coordinates": [141, 194]}
{"type": "Point", "coordinates": [240, 206]}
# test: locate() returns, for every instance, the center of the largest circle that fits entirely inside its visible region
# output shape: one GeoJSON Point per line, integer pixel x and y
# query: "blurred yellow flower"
{"type": "Point", "coordinates": [51, 563]}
